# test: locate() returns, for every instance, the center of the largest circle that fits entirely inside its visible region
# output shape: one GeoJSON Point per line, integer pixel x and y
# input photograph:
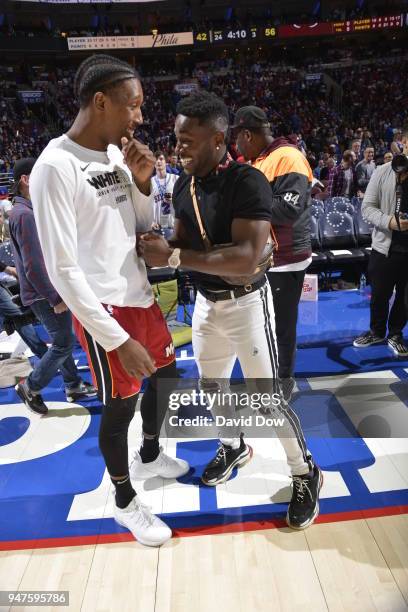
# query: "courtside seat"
{"type": "Point", "coordinates": [338, 239]}
{"type": "Point", "coordinates": [363, 229]}
{"type": "Point", "coordinates": [6, 254]}
{"type": "Point", "coordinates": [315, 232]}
{"type": "Point", "coordinates": [318, 203]}
{"type": "Point", "coordinates": [342, 205]}
{"type": "Point", "coordinates": [356, 202]}
{"type": "Point", "coordinates": [319, 259]}
{"type": "Point", "coordinates": [7, 257]}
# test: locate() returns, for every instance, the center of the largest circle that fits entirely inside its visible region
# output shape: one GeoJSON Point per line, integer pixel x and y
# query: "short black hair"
{"type": "Point", "coordinates": [159, 153]}
{"type": "Point", "coordinates": [207, 108]}
{"type": "Point", "coordinates": [100, 72]}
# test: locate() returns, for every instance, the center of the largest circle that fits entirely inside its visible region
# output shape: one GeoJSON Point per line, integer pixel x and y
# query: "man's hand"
{"type": "Point", "coordinates": [135, 359]}
{"type": "Point", "coordinates": [12, 271]}
{"type": "Point", "coordinates": [154, 249]}
{"type": "Point", "coordinates": [60, 308]}
{"type": "Point", "coordinates": [140, 161]}
{"type": "Point", "coordinates": [403, 223]}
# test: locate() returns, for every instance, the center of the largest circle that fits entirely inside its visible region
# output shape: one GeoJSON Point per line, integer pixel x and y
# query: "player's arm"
{"type": "Point", "coordinates": [140, 161]}
{"type": "Point", "coordinates": [249, 238]}
{"type": "Point", "coordinates": [249, 234]}
{"type": "Point", "coordinates": [52, 192]}
{"type": "Point", "coordinates": [179, 238]}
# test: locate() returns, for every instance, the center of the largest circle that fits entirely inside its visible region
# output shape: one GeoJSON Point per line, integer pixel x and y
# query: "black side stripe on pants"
{"type": "Point", "coordinates": [269, 338]}
{"type": "Point", "coordinates": [101, 368]}
{"type": "Point", "coordinates": [284, 407]}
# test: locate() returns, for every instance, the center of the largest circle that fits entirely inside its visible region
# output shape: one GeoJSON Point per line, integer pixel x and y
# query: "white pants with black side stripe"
{"type": "Point", "coordinates": [244, 328]}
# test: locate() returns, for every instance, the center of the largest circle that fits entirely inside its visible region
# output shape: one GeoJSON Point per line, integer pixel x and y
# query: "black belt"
{"type": "Point", "coordinates": [218, 296]}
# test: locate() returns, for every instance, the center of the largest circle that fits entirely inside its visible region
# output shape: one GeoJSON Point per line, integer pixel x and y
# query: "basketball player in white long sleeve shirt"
{"type": "Point", "coordinates": [91, 193]}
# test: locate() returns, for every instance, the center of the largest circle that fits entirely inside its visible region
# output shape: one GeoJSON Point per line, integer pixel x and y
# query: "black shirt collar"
{"type": "Point", "coordinates": [220, 168]}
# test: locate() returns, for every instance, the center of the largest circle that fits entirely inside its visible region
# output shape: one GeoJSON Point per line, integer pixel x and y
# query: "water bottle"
{"type": "Point", "coordinates": [363, 284]}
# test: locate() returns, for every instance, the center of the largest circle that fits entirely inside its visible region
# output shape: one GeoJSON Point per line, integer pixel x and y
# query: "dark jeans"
{"type": "Point", "coordinates": [27, 332]}
{"type": "Point", "coordinates": [386, 273]}
{"type": "Point", "coordinates": [59, 355]}
{"type": "Point", "coordinates": [286, 290]}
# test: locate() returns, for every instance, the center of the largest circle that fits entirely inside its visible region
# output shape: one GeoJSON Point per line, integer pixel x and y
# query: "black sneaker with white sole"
{"type": "Point", "coordinates": [227, 458]}
{"type": "Point", "coordinates": [304, 505]}
{"type": "Point", "coordinates": [398, 345]}
{"type": "Point", "coordinates": [82, 391]}
{"type": "Point", "coordinates": [33, 401]}
{"type": "Point", "coordinates": [367, 339]}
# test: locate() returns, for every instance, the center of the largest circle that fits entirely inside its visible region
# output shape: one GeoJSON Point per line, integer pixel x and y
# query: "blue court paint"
{"type": "Point", "coordinates": [36, 495]}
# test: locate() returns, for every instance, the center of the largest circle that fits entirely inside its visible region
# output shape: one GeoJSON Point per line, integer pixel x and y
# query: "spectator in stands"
{"type": "Point", "coordinates": [314, 142]}
{"type": "Point", "coordinates": [356, 149]}
{"type": "Point", "coordinates": [173, 164]}
{"type": "Point", "coordinates": [380, 148]}
{"type": "Point", "coordinates": [388, 266]}
{"type": "Point", "coordinates": [162, 185]}
{"type": "Point", "coordinates": [389, 134]}
{"type": "Point", "coordinates": [388, 157]}
{"type": "Point", "coordinates": [335, 152]}
{"type": "Point", "coordinates": [38, 293]}
{"type": "Point", "coordinates": [342, 179]}
{"type": "Point", "coordinates": [365, 169]}
{"type": "Point", "coordinates": [325, 171]}
{"type": "Point", "coordinates": [317, 167]}
{"type": "Point", "coordinates": [366, 140]}
{"type": "Point", "coordinates": [397, 145]}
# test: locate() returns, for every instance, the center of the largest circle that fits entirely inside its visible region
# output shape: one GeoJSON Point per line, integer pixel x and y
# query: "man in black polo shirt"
{"type": "Point", "coordinates": [230, 320]}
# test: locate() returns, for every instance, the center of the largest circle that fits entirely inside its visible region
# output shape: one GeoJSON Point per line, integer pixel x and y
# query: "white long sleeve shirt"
{"type": "Point", "coordinates": [87, 211]}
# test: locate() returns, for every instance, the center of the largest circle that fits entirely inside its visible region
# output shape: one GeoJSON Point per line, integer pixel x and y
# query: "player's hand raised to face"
{"type": "Point", "coordinates": [139, 159]}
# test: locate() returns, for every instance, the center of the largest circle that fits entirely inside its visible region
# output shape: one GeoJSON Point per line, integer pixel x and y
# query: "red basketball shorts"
{"type": "Point", "coordinates": [147, 326]}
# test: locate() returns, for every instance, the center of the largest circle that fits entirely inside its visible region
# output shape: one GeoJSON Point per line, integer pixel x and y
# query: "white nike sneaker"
{"type": "Point", "coordinates": [164, 466]}
{"type": "Point", "coordinates": [147, 528]}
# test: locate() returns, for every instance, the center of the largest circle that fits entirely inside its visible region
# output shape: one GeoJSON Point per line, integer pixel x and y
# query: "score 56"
{"type": "Point", "coordinates": [270, 31]}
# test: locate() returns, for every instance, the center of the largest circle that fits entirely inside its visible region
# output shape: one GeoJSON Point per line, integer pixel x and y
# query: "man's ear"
{"type": "Point", "coordinates": [219, 139]}
{"type": "Point", "coordinates": [99, 101]}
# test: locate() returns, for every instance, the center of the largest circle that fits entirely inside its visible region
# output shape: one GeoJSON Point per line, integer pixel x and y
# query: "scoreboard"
{"type": "Point", "coordinates": [369, 24]}
{"type": "Point", "coordinates": [326, 28]}
{"type": "Point", "coordinates": [222, 36]}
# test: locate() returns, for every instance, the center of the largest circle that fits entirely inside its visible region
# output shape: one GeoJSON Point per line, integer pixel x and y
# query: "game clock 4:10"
{"type": "Point", "coordinates": [225, 36]}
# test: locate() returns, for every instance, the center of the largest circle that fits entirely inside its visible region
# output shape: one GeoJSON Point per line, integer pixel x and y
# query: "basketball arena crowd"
{"type": "Point", "coordinates": [296, 106]}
